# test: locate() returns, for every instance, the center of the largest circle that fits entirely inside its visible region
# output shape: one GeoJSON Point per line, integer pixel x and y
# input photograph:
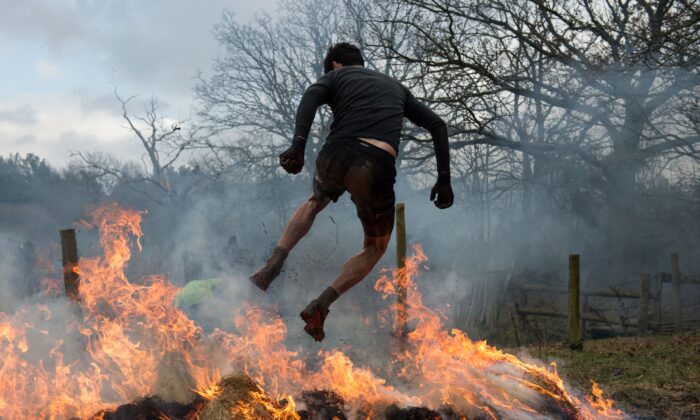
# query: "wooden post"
{"type": "Point", "coordinates": [401, 250]}
{"type": "Point", "coordinates": [584, 306]}
{"type": "Point", "coordinates": [658, 289]}
{"type": "Point", "coordinates": [69, 252]}
{"type": "Point", "coordinates": [575, 335]}
{"type": "Point", "coordinates": [583, 319]}
{"type": "Point", "coordinates": [676, 308]}
{"type": "Point", "coordinates": [643, 321]}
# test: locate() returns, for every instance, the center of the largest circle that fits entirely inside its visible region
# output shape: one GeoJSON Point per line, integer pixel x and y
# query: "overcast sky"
{"type": "Point", "coordinates": [60, 61]}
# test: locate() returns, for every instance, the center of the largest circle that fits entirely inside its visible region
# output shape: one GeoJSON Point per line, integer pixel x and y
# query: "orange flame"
{"type": "Point", "coordinates": [248, 411]}
{"type": "Point", "coordinates": [471, 376]}
{"type": "Point", "coordinates": [208, 387]}
{"type": "Point", "coordinates": [127, 330]}
{"type": "Point", "coordinates": [602, 405]}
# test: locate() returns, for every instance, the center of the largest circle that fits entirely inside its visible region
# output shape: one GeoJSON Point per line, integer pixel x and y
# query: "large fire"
{"type": "Point", "coordinates": [125, 340]}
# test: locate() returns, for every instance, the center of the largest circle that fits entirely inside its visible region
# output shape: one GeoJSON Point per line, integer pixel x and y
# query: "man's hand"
{"type": "Point", "coordinates": [442, 190]}
{"type": "Point", "coordinates": [292, 160]}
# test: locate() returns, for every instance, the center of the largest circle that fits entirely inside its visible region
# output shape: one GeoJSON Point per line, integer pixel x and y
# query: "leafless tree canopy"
{"type": "Point", "coordinates": [256, 85]}
{"type": "Point", "coordinates": [610, 88]}
{"type": "Point", "coordinates": [163, 144]}
{"type": "Point", "coordinates": [578, 113]}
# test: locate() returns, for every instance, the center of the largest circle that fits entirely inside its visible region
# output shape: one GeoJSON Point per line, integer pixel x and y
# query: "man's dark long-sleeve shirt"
{"type": "Point", "coordinates": [369, 104]}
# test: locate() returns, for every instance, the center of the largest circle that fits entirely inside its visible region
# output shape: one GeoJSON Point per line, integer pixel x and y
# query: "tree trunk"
{"type": "Point", "coordinates": [623, 210]}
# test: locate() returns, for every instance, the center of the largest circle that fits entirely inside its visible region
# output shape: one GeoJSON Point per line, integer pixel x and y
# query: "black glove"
{"type": "Point", "coordinates": [292, 160]}
{"type": "Point", "coordinates": [443, 191]}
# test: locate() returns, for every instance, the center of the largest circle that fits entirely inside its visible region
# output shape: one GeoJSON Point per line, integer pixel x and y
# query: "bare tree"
{"type": "Point", "coordinates": [256, 85]}
{"type": "Point", "coordinates": [603, 84]}
{"type": "Point", "coordinates": [163, 144]}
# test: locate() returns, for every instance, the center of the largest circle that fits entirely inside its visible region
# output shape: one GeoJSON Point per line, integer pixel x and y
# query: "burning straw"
{"type": "Point", "coordinates": [238, 396]}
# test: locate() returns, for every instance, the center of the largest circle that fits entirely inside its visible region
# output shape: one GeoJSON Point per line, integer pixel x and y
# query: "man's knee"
{"type": "Point", "coordinates": [315, 204]}
{"type": "Point", "coordinates": [377, 245]}
{"type": "Point", "coordinates": [311, 207]}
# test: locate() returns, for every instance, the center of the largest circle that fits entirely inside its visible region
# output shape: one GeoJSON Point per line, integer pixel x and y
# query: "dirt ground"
{"type": "Point", "coordinates": [655, 376]}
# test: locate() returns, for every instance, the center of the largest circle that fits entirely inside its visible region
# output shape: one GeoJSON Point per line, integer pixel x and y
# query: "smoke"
{"type": "Point", "coordinates": [9, 286]}
{"type": "Point", "coordinates": [120, 329]}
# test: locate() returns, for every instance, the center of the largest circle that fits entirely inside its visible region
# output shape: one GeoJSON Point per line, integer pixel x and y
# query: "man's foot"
{"type": "Point", "coordinates": [264, 276]}
{"type": "Point", "coordinates": [314, 314]}
{"type": "Point", "coordinates": [272, 268]}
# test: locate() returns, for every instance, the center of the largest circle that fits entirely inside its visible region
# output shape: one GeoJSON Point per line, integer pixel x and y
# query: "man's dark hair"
{"type": "Point", "coordinates": [344, 53]}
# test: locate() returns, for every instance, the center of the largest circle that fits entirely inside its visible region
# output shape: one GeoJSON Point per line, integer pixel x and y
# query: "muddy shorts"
{"type": "Point", "coordinates": [364, 170]}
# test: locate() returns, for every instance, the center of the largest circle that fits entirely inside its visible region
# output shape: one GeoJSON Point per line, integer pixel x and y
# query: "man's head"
{"type": "Point", "coordinates": [342, 53]}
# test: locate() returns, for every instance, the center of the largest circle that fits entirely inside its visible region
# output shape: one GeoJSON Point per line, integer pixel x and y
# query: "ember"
{"type": "Point", "coordinates": [322, 405]}
{"type": "Point", "coordinates": [135, 342]}
{"type": "Point", "coordinates": [413, 413]}
{"type": "Point", "coordinates": [151, 408]}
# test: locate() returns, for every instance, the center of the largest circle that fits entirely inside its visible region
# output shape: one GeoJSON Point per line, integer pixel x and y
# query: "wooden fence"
{"type": "Point", "coordinates": [649, 296]}
{"type": "Point", "coordinates": [649, 293]}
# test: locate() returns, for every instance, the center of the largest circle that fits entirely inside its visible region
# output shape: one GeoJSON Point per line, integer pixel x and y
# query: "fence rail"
{"type": "Point", "coordinates": [649, 296]}
{"type": "Point", "coordinates": [602, 292]}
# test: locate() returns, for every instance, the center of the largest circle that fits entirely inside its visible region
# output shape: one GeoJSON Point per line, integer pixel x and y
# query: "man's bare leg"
{"type": "Point", "coordinates": [352, 272]}
{"type": "Point", "coordinates": [297, 227]}
{"type": "Point", "coordinates": [301, 221]}
{"type": "Point", "coordinates": [360, 265]}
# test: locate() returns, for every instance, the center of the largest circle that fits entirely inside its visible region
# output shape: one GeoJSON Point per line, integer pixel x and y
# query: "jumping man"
{"type": "Point", "coordinates": [358, 156]}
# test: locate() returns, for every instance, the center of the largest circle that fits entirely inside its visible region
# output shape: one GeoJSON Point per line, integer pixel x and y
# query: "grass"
{"type": "Point", "coordinates": [646, 376]}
